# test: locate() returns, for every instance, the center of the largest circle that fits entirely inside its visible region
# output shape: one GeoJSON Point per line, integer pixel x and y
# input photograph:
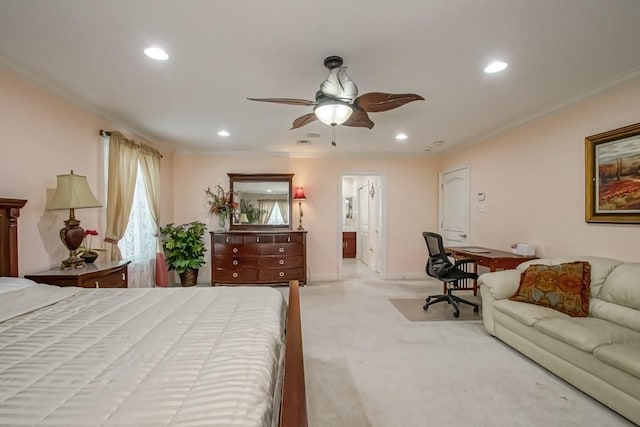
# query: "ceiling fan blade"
{"type": "Point", "coordinates": [375, 102]}
{"type": "Point", "coordinates": [359, 119]}
{"type": "Point", "coordinates": [290, 101]}
{"type": "Point", "coordinates": [303, 120]}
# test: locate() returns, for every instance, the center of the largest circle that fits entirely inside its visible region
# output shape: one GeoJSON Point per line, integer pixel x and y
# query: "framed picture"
{"type": "Point", "coordinates": [613, 176]}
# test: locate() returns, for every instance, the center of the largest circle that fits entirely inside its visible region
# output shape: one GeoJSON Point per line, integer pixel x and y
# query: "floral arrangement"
{"type": "Point", "coordinates": [220, 202]}
{"type": "Point", "coordinates": [86, 242]}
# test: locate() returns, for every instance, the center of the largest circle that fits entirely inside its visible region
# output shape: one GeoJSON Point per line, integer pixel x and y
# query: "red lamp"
{"type": "Point", "coordinates": [299, 196]}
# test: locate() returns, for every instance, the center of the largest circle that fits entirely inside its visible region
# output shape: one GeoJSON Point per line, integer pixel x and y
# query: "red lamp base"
{"type": "Point", "coordinates": [72, 235]}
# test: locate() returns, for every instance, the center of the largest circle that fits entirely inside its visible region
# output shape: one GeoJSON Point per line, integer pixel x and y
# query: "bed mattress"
{"type": "Point", "coordinates": [135, 357]}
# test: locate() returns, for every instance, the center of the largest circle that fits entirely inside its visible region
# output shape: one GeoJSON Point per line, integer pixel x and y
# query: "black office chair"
{"type": "Point", "coordinates": [440, 267]}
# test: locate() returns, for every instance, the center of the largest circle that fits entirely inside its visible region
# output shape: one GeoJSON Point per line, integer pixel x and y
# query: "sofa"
{"type": "Point", "coordinates": [599, 353]}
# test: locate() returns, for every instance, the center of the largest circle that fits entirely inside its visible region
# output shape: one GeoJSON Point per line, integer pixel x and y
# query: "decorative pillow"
{"type": "Point", "coordinates": [563, 287]}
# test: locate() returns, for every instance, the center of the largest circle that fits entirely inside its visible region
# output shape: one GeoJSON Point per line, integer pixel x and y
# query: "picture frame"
{"type": "Point", "coordinates": [612, 176]}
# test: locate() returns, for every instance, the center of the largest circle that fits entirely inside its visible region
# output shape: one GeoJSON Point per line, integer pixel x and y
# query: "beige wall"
{"type": "Point", "coordinates": [411, 189]}
{"type": "Point", "coordinates": [533, 177]}
{"type": "Point", "coordinates": [44, 135]}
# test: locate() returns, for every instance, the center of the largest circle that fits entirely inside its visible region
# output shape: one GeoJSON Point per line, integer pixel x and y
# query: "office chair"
{"type": "Point", "coordinates": [440, 267]}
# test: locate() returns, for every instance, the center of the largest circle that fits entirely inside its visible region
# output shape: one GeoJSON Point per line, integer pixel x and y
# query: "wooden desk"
{"type": "Point", "coordinates": [492, 259]}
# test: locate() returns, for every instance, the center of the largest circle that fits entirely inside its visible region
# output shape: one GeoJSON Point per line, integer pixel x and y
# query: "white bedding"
{"type": "Point", "coordinates": [116, 357]}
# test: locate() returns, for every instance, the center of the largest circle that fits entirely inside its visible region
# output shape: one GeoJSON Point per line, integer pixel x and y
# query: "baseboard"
{"type": "Point", "coordinates": [407, 276]}
{"type": "Point", "coordinates": [323, 277]}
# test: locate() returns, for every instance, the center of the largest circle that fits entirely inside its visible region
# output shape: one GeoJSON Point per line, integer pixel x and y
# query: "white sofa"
{"type": "Point", "coordinates": [599, 354]}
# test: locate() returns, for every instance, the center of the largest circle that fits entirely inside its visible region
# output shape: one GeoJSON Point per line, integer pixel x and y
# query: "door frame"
{"type": "Point", "coordinates": [382, 221]}
{"type": "Point", "coordinates": [440, 198]}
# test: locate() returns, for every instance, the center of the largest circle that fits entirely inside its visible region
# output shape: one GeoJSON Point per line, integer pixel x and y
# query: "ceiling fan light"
{"type": "Point", "coordinates": [333, 113]}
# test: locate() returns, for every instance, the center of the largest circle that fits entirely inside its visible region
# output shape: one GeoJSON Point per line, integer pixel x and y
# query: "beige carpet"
{"type": "Point", "coordinates": [411, 308]}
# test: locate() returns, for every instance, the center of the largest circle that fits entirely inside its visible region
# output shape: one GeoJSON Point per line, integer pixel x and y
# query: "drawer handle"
{"type": "Point", "coordinates": [281, 262]}
{"type": "Point", "coordinates": [257, 240]}
{"type": "Point", "coordinates": [281, 250]}
{"type": "Point", "coordinates": [235, 262]}
{"type": "Point", "coordinates": [282, 274]}
{"type": "Point", "coordinates": [235, 274]}
{"type": "Point", "coordinates": [235, 250]}
{"type": "Point", "coordinates": [289, 239]}
{"type": "Point", "coordinates": [97, 284]}
{"type": "Point", "coordinates": [227, 240]}
{"type": "Point", "coordinates": [123, 277]}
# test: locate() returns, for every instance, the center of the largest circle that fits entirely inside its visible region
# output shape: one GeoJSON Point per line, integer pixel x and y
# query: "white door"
{"type": "Point", "coordinates": [363, 225]}
{"type": "Point", "coordinates": [454, 207]}
{"type": "Point", "coordinates": [374, 226]}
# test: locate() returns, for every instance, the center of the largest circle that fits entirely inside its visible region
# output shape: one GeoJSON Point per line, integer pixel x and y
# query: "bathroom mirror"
{"type": "Point", "coordinates": [264, 201]}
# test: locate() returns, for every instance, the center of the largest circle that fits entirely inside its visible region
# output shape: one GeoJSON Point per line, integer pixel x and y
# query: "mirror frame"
{"type": "Point", "coordinates": [262, 177]}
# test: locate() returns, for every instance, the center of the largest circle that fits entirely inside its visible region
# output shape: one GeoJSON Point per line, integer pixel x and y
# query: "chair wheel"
{"type": "Point", "coordinates": [456, 314]}
{"type": "Point", "coordinates": [426, 307]}
{"type": "Point", "coordinates": [476, 309]}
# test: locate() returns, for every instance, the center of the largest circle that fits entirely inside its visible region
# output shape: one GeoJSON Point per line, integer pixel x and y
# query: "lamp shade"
{"type": "Point", "coordinates": [73, 192]}
{"type": "Point", "coordinates": [333, 112]}
{"type": "Point", "coordinates": [243, 218]}
{"type": "Point", "coordinates": [299, 194]}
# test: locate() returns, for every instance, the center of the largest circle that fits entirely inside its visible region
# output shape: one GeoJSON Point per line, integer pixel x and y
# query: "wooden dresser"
{"type": "Point", "coordinates": [107, 274]}
{"type": "Point", "coordinates": [348, 244]}
{"type": "Point", "coordinates": [258, 257]}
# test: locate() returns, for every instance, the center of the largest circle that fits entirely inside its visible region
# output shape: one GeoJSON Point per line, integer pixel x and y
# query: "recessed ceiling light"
{"type": "Point", "coordinates": [401, 136]}
{"type": "Point", "coordinates": [495, 67]}
{"type": "Point", "coordinates": [269, 190]}
{"type": "Point", "coordinates": [223, 133]}
{"type": "Point", "coordinates": [156, 53]}
{"type": "Point", "coordinates": [438, 142]}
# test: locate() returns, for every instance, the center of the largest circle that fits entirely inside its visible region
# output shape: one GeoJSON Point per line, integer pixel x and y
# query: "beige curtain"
{"type": "Point", "coordinates": [266, 209]}
{"type": "Point", "coordinates": [123, 167]}
{"type": "Point", "coordinates": [284, 210]}
{"type": "Point", "coordinates": [150, 164]}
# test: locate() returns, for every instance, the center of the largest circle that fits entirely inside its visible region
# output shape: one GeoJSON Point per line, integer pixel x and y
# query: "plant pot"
{"type": "Point", "coordinates": [89, 257]}
{"type": "Point", "coordinates": [189, 278]}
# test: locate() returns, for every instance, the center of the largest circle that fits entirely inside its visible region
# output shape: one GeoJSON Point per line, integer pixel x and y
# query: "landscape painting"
{"type": "Point", "coordinates": [613, 176]}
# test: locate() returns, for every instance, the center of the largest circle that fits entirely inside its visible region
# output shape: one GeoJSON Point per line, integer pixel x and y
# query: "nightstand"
{"type": "Point", "coordinates": [108, 274]}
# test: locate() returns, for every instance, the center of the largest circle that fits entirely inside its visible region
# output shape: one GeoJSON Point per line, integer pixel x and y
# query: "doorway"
{"type": "Point", "coordinates": [362, 231]}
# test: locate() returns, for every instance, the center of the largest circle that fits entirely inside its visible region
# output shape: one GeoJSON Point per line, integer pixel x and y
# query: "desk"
{"type": "Point", "coordinates": [490, 258]}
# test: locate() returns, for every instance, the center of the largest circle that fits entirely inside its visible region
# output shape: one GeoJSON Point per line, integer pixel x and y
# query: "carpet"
{"type": "Point", "coordinates": [411, 309]}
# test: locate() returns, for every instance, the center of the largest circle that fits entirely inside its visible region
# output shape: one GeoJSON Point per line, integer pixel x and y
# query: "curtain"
{"type": "Point", "coordinates": [266, 209]}
{"type": "Point", "coordinates": [284, 210]}
{"type": "Point", "coordinates": [123, 169]}
{"type": "Point", "coordinates": [136, 244]}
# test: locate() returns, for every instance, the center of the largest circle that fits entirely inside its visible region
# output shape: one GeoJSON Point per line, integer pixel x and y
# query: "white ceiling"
{"type": "Point", "coordinates": [222, 52]}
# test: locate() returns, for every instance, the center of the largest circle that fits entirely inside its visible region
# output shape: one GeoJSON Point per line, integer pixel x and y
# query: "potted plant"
{"type": "Point", "coordinates": [88, 253]}
{"type": "Point", "coordinates": [184, 249]}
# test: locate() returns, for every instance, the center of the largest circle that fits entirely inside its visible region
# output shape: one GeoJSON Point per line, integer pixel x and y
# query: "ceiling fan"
{"type": "Point", "coordinates": [337, 102]}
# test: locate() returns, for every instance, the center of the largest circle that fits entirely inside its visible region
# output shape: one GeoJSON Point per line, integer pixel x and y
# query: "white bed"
{"type": "Point", "coordinates": [229, 356]}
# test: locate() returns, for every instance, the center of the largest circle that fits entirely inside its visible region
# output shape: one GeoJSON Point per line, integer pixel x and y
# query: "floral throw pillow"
{"type": "Point", "coordinates": [563, 287]}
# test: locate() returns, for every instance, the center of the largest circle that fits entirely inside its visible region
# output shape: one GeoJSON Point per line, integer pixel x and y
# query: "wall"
{"type": "Point", "coordinates": [44, 135]}
{"type": "Point", "coordinates": [533, 176]}
{"type": "Point", "coordinates": [411, 189]}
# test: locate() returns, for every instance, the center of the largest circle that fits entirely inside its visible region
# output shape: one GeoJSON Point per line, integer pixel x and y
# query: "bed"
{"type": "Point", "coordinates": [128, 357]}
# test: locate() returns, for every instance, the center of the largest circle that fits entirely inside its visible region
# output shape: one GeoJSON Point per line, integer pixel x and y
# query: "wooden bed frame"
{"type": "Point", "coordinates": [293, 410]}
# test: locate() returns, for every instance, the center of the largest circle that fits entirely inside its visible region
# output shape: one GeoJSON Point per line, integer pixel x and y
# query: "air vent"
{"type": "Point", "coordinates": [303, 142]}
{"type": "Point", "coordinates": [313, 135]}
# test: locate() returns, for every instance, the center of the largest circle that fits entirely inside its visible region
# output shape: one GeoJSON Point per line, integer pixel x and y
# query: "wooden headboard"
{"type": "Point", "coordinates": [9, 213]}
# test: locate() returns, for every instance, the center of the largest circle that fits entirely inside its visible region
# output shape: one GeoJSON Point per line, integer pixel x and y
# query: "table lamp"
{"type": "Point", "coordinates": [299, 197]}
{"type": "Point", "coordinates": [243, 218]}
{"type": "Point", "coordinates": [72, 192]}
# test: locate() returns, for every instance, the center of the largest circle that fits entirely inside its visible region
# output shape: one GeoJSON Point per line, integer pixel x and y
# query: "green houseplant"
{"type": "Point", "coordinates": [184, 249]}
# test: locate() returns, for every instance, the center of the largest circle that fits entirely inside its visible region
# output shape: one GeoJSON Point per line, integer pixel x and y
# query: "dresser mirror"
{"type": "Point", "coordinates": [264, 201]}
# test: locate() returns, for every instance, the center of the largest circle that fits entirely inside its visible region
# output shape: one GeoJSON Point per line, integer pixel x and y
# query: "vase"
{"type": "Point", "coordinates": [89, 257]}
{"type": "Point", "coordinates": [189, 277]}
{"type": "Point", "coordinates": [222, 223]}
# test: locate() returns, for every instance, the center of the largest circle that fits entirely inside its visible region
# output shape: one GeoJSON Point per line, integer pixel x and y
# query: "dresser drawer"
{"type": "Point", "coordinates": [258, 238]}
{"type": "Point", "coordinates": [281, 249]}
{"type": "Point", "coordinates": [227, 238]}
{"type": "Point", "coordinates": [117, 279]}
{"type": "Point", "coordinates": [235, 276]}
{"type": "Point", "coordinates": [281, 262]}
{"type": "Point", "coordinates": [287, 238]}
{"type": "Point", "coordinates": [279, 275]}
{"type": "Point", "coordinates": [234, 263]}
{"type": "Point", "coordinates": [235, 249]}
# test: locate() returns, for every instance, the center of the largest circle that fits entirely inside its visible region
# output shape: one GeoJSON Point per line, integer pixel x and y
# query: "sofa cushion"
{"type": "Point", "coordinates": [600, 268]}
{"type": "Point", "coordinates": [586, 333]}
{"type": "Point", "coordinates": [615, 313]}
{"type": "Point", "coordinates": [622, 286]}
{"type": "Point", "coordinates": [563, 287]}
{"type": "Point", "coordinates": [623, 356]}
{"type": "Point", "coordinates": [527, 314]}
